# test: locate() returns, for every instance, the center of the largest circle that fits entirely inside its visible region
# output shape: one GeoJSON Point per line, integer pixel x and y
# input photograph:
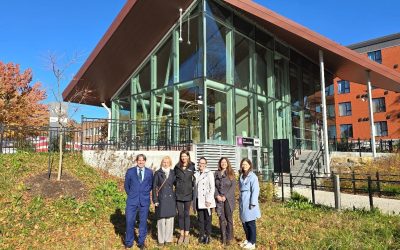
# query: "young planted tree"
{"type": "Point", "coordinates": [20, 101]}
{"type": "Point", "coordinates": [64, 110]}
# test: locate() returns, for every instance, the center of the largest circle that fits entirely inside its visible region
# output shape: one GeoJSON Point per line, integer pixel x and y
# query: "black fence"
{"type": "Point", "coordinates": [38, 139]}
{"type": "Point", "coordinates": [360, 145]}
{"type": "Point", "coordinates": [134, 135]}
{"type": "Point", "coordinates": [376, 185]}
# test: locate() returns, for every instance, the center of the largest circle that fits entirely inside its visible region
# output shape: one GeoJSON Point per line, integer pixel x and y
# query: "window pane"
{"type": "Point", "coordinates": [217, 115]}
{"type": "Point", "coordinates": [346, 131]}
{"type": "Point", "coordinates": [215, 10]}
{"type": "Point", "coordinates": [190, 54]}
{"type": "Point", "coordinates": [261, 78]}
{"type": "Point", "coordinates": [164, 65]}
{"type": "Point", "coordinates": [145, 78]}
{"type": "Point", "coordinates": [242, 62]}
{"type": "Point", "coordinates": [378, 105]}
{"type": "Point", "coordinates": [216, 50]}
{"type": "Point", "coordinates": [243, 26]}
{"type": "Point", "coordinates": [345, 109]}
{"type": "Point", "coordinates": [243, 113]}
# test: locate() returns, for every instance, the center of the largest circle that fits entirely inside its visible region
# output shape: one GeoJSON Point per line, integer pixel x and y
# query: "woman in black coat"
{"type": "Point", "coordinates": [225, 184]}
{"type": "Point", "coordinates": [164, 200]}
{"type": "Point", "coordinates": [184, 174]}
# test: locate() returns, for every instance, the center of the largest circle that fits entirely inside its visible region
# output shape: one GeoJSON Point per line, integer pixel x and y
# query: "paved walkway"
{"type": "Point", "coordinates": [348, 201]}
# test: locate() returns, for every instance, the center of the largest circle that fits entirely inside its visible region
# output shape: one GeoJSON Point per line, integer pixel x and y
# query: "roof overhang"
{"type": "Point", "coordinates": [341, 61]}
{"type": "Point", "coordinates": [134, 33]}
{"type": "Point", "coordinates": [141, 24]}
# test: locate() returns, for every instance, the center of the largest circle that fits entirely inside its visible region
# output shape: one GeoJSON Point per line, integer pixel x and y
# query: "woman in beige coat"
{"type": "Point", "coordinates": [203, 200]}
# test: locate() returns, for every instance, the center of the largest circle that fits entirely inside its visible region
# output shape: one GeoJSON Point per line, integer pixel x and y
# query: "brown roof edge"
{"type": "Point", "coordinates": [106, 37]}
{"type": "Point", "coordinates": [315, 38]}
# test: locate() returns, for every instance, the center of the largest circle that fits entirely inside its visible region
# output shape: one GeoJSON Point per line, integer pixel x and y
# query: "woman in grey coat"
{"type": "Point", "coordinates": [164, 200]}
{"type": "Point", "coordinates": [225, 184]}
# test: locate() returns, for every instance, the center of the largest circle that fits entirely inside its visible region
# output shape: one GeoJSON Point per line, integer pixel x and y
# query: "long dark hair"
{"type": "Point", "coordinates": [229, 170]}
{"type": "Point", "coordinates": [180, 158]}
{"type": "Point", "coordinates": [245, 173]}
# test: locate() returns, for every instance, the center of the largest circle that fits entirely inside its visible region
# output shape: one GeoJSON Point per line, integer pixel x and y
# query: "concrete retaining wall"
{"type": "Point", "coordinates": [117, 162]}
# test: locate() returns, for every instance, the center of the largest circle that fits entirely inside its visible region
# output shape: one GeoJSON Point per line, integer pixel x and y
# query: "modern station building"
{"type": "Point", "coordinates": [232, 71]}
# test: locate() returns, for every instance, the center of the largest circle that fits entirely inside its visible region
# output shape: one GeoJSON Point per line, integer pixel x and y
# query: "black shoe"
{"type": "Point", "coordinates": [141, 247]}
{"type": "Point", "coordinates": [202, 239]}
{"type": "Point", "coordinates": [207, 239]}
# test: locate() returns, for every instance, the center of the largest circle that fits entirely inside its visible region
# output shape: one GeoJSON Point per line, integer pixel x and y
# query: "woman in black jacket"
{"type": "Point", "coordinates": [164, 200]}
{"type": "Point", "coordinates": [225, 184]}
{"type": "Point", "coordinates": [184, 174]}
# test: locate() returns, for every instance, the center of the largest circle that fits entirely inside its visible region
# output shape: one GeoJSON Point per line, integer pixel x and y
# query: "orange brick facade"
{"type": "Point", "coordinates": [359, 118]}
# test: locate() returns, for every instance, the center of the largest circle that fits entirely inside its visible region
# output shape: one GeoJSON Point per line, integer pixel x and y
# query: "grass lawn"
{"type": "Point", "coordinates": [96, 219]}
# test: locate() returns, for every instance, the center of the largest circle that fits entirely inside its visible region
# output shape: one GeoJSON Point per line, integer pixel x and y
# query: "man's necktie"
{"type": "Point", "coordinates": [140, 175]}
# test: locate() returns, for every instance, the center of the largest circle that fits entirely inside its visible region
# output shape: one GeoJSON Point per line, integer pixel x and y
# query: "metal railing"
{"type": "Point", "coordinates": [134, 135]}
{"type": "Point", "coordinates": [38, 139]}
{"type": "Point", "coordinates": [361, 145]}
{"type": "Point", "coordinates": [377, 185]}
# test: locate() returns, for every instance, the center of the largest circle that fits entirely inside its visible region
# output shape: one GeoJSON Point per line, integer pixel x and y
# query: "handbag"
{"type": "Point", "coordinates": [158, 189]}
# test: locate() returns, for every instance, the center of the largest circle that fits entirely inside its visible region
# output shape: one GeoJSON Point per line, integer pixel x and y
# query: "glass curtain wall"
{"type": "Point", "coordinates": [224, 77]}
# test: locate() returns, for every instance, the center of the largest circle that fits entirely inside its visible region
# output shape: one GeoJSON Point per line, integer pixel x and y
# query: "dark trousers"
{"type": "Point", "coordinates": [183, 214]}
{"type": "Point", "coordinates": [204, 222]}
{"type": "Point", "coordinates": [250, 231]}
{"type": "Point", "coordinates": [225, 221]}
{"type": "Point", "coordinates": [130, 213]}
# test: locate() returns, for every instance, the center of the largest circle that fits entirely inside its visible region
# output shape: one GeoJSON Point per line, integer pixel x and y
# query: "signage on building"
{"type": "Point", "coordinates": [247, 141]}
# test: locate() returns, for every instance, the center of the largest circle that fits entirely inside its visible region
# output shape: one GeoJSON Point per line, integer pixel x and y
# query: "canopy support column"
{"type": "Point", "coordinates": [371, 115]}
{"type": "Point", "coordinates": [324, 116]}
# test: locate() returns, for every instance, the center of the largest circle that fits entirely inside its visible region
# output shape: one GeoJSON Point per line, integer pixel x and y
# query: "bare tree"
{"type": "Point", "coordinates": [64, 110]}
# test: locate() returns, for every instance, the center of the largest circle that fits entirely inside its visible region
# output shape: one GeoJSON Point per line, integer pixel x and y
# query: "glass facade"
{"type": "Point", "coordinates": [225, 77]}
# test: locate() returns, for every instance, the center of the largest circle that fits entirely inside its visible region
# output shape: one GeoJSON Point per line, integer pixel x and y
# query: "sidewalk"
{"type": "Point", "coordinates": [348, 201]}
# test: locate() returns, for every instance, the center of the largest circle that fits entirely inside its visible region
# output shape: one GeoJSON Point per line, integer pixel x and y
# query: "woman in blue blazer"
{"type": "Point", "coordinates": [248, 203]}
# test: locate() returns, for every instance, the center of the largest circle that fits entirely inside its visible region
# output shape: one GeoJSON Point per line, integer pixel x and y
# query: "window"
{"type": "Point", "coordinates": [381, 129]}
{"type": "Point", "coordinates": [330, 110]}
{"type": "Point", "coordinates": [331, 131]}
{"type": "Point", "coordinates": [375, 56]}
{"type": "Point", "coordinates": [345, 109]}
{"type": "Point", "coordinates": [329, 90]}
{"type": "Point", "coordinates": [378, 105]}
{"type": "Point", "coordinates": [346, 131]}
{"type": "Point", "coordinates": [343, 87]}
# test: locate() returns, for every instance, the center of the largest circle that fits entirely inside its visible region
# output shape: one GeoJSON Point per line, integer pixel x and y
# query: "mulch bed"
{"type": "Point", "coordinates": [41, 185]}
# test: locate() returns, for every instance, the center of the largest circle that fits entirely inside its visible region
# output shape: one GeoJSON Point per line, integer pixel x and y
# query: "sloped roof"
{"type": "Point", "coordinates": [142, 23]}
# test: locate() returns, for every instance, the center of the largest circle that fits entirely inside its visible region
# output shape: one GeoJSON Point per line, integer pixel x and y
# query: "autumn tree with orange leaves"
{"type": "Point", "coordinates": [20, 101]}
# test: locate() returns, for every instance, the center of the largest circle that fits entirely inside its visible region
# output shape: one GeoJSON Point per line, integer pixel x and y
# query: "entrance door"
{"type": "Point", "coordinates": [253, 153]}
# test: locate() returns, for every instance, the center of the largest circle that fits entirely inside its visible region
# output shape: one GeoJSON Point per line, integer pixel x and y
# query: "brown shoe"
{"type": "Point", "coordinates": [181, 239]}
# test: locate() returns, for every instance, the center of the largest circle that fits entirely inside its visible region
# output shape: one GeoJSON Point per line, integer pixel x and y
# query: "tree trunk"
{"type": "Point", "coordinates": [61, 157]}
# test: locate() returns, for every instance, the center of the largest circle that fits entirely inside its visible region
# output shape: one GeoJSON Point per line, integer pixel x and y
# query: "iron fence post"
{"type": "Point", "coordinates": [391, 146]}
{"type": "Point", "coordinates": [291, 184]}
{"type": "Point", "coordinates": [283, 194]}
{"type": "Point", "coordinates": [312, 188]}
{"type": "Point", "coordinates": [359, 146]}
{"type": "Point", "coordinates": [381, 145]}
{"type": "Point", "coordinates": [370, 193]}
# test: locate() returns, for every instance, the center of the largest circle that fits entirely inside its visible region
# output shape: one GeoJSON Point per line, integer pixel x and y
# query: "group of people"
{"type": "Point", "coordinates": [176, 190]}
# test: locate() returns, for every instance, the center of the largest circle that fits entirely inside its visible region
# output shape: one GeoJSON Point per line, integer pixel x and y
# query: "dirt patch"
{"type": "Point", "coordinates": [51, 188]}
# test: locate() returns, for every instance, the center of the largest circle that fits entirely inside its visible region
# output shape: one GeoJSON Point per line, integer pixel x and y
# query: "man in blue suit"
{"type": "Point", "coordinates": [138, 185]}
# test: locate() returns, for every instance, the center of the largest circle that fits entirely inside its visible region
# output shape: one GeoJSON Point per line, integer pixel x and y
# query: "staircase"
{"type": "Point", "coordinates": [307, 162]}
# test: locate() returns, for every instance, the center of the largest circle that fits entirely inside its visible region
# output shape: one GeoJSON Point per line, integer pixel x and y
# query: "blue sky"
{"type": "Point", "coordinates": [32, 29]}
